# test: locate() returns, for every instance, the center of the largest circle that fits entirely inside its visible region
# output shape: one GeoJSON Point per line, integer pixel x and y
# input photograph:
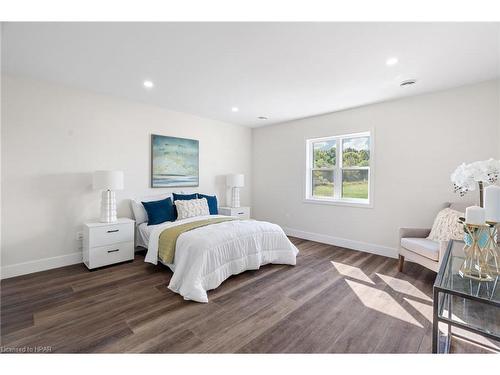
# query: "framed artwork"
{"type": "Point", "coordinates": [174, 162]}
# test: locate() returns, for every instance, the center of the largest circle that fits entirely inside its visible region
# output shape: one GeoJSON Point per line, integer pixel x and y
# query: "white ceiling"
{"type": "Point", "coordinates": [283, 71]}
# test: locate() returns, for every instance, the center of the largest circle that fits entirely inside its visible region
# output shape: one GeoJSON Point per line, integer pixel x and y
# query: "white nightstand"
{"type": "Point", "coordinates": [239, 212]}
{"type": "Point", "coordinates": [108, 243]}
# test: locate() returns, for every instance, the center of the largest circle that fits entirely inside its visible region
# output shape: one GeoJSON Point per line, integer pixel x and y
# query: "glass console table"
{"type": "Point", "coordinates": [464, 303]}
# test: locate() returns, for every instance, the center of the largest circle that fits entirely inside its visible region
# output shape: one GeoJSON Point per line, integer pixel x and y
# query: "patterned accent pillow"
{"type": "Point", "coordinates": [446, 226]}
{"type": "Point", "coordinates": [191, 208]}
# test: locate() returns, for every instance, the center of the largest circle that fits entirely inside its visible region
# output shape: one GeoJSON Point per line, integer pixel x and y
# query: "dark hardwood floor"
{"type": "Point", "coordinates": [334, 301]}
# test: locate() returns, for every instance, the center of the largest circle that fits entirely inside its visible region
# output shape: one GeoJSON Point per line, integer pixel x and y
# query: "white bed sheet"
{"type": "Point", "coordinates": [206, 256]}
{"type": "Point", "coordinates": [143, 232]}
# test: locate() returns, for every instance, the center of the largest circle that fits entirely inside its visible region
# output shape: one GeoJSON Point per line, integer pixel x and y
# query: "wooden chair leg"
{"type": "Point", "coordinates": [401, 263]}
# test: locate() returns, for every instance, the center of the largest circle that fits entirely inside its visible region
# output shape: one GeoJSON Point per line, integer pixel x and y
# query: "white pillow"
{"type": "Point", "coordinates": [191, 208]}
{"type": "Point", "coordinates": [446, 226]}
{"type": "Point", "coordinates": [140, 214]}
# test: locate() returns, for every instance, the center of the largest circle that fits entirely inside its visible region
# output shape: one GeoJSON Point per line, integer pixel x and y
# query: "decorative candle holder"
{"type": "Point", "coordinates": [475, 264]}
{"type": "Point", "coordinates": [492, 251]}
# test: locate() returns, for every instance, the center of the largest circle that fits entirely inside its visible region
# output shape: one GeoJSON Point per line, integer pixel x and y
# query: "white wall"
{"type": "Point", "coordinates": [54, 137]}
{"type": "Point", "coordinates": [419, 141]}
{"type": "Point", "coordinates": [498, 111]}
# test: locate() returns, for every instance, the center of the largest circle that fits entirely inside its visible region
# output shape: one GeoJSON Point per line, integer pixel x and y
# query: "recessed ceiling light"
{"type": "Point", "coordinates": [391, 61]}
{"type": "Point", "coordinates": [235, 109]}
{"type": "Point", "coordinates": [408, 82]}
{"type": "Point", "coordinates": [148, 84]}
{"type": "Point", "coordinates": [262, 118]}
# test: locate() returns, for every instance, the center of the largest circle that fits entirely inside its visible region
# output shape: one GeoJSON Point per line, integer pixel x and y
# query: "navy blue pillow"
{"type": "Point", "coordinates": [184, 197]}
{"type": "Point", "coordinates": [159, 211]}
{"type": "Point", "coordinates": [212, 203]}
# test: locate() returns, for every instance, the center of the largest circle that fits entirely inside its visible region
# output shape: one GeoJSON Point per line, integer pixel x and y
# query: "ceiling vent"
{"type": "Point", "coordinates": [408, 82]}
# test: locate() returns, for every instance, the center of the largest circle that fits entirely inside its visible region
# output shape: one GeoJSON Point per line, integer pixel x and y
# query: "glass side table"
{"type": "Point", "coordinates": [465, 303]}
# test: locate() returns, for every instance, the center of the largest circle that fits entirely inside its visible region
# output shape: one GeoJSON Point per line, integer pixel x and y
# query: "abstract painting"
{"type": "Point", "coordinates": [174, 162]}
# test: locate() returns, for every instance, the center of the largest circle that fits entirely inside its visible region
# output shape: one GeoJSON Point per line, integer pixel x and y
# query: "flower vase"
{"type": "Point", "coordinates": [492, 251]}
{"type": "Point", "coordinates": [477, 245]}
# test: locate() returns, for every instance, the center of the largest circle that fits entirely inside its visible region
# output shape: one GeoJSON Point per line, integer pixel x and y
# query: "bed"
{"type": "Point", "coordinates": [208, 255]}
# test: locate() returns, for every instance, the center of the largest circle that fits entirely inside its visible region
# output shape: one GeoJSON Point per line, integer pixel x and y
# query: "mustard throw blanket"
{"type": "Point", "coordinates": [168, 237]}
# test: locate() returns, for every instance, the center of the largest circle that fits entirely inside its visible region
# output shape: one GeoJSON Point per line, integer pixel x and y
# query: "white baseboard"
{"type": "Point", "coordinates": [40, 265]}
{"type": "Point", "coordinates": [343, 242]}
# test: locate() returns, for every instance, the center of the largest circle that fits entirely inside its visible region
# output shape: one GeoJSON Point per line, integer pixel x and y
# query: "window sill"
{"type": "Point", "coordinates": [340, 202]}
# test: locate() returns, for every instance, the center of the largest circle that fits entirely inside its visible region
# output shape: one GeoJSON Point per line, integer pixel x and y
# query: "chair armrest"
{"type": "Point", "coordinates": [413, 232]}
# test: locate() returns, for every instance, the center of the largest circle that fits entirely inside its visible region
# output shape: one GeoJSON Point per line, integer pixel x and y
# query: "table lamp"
{"type": "Point", "coordinates": [108, 181]}
{"type": "Point", "coordinates": [235, 182]}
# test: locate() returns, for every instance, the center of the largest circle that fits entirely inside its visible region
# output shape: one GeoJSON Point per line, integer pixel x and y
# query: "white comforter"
{"type": "Point", "coordinates": [206, 256]}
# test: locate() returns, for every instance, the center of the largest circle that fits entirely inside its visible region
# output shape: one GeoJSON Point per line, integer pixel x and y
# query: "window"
{"type": "Point", "coordinates": [338, 169]}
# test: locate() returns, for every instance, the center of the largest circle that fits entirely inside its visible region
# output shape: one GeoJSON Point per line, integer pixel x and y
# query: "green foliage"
{"type": "Point", "coordinates": [355, 158]}
{"type": "Point", "coordinates": [351, 158]}
{"type": "Point", "coordinates": [323, 190]}
{"type": "Point", "coordinates": [355, 182]}
{"type": "Point", "coordinates": [320, 179]}
{"type": "Point", "coordinates": [325, 158]}
{"type": "Point", "coordinates": [364, 155]}
{"type": "Point", "coordinates": [355, 175]}
{"type": "Point", "coordinates": [349, 190]}
{"type": "Point", "coordinates": [355, 190]}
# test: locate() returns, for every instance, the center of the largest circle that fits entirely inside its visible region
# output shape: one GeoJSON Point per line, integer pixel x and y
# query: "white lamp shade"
{"type": "Point", "coordinates": [108, 180]}
{"type": "Point", "coordinates": [475, 215]}
{"type": "Point", "coordinates": [235, 180]}
{"type": "Point", "coordinates": [492, 203]}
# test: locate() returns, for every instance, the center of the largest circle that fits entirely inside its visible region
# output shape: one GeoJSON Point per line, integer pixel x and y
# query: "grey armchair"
{"type": "Point", "coordinates": [415, 247]}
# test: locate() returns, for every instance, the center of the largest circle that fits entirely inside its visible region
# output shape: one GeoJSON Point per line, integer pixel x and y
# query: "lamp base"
{"type": "Point", "coordinates": [235, 201]}
{"type": "Point", "coordinates": [108, 207]}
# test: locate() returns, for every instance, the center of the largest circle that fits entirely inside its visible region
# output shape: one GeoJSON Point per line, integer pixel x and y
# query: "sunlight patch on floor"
{"type": "Point", "coordinates": [475, 337]}
{"type": "Point", "coordinates": [353, 272]}
{"type": "Point", "coordinates": [426, 311]}
{"type": "Point", "coordinates": [470, 335]}
{"type": "Point", "coordinates": [423, 308]}
{"type": "Point", "coordinates": [403, 286]}
{"type": "Point", "coordinates": [381, 301]}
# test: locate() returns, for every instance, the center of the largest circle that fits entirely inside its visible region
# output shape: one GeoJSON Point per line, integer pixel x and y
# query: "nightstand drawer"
{"type": "Point", "coordinates": [239, 212]}
{"type": "Point", "coordinates": [109, 234]}
{"type": "Point", "coordinates": [115, 253]}
{"type": "Point", "coordinates": [242, 213]}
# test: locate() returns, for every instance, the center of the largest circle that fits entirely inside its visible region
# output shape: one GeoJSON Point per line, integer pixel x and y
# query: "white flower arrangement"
{"type": "Point", "coordinates": [466, 176]}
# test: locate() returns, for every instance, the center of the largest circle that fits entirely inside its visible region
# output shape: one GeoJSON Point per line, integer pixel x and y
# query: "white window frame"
{"type": "Point", "coordinates": [337, 172]}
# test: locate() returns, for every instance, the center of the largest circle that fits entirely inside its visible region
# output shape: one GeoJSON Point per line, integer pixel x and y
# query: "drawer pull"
{"type": "Point", "coordinates": [113, 231]}
{"type": "Point", "coordinates": [241, 213]}
{"type": "Point", "coordinates": [113, 251]}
